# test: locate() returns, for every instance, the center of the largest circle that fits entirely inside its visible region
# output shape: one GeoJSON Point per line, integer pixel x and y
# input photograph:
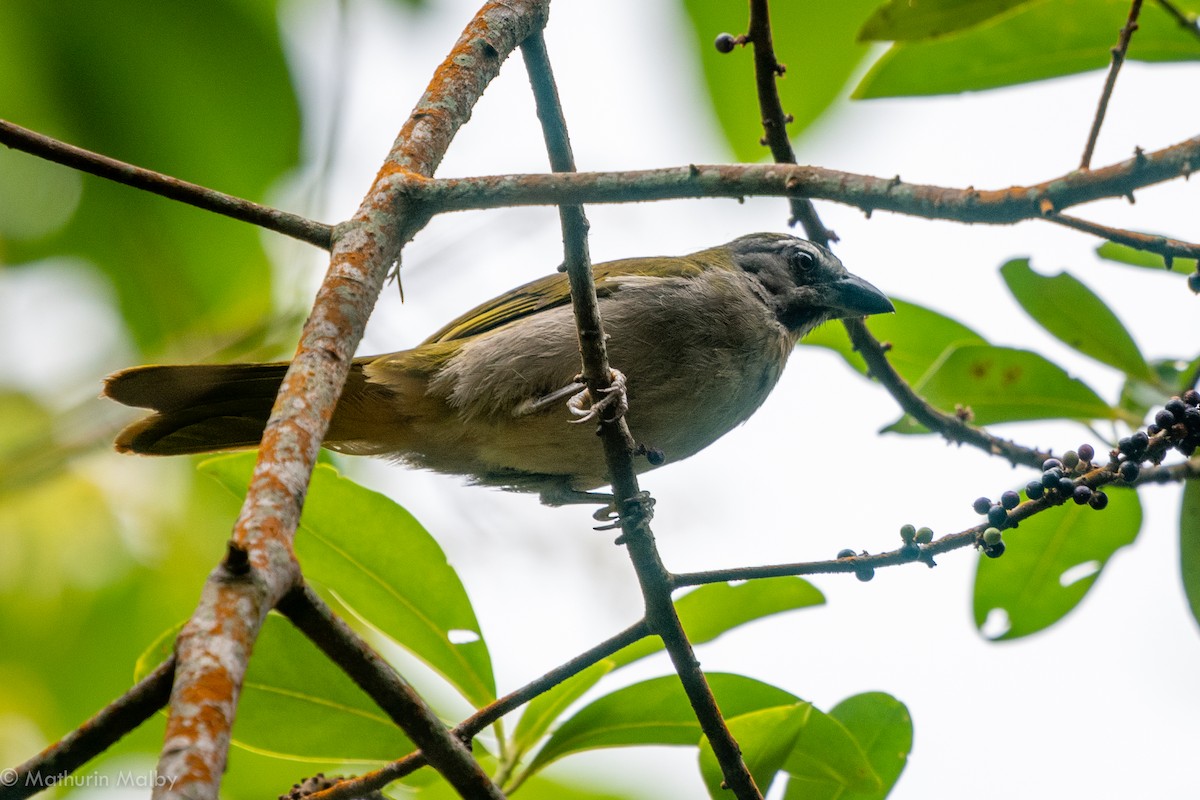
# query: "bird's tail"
{"type": "Point", "coordinates": [197, 408]}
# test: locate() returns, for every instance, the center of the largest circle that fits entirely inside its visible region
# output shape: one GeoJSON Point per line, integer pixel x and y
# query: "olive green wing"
{"type": "Point", "coordinates": [550, 292]}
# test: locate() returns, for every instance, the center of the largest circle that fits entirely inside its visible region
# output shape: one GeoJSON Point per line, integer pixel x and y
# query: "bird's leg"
{"type": "Point", "coordinates": [641, 504]}
{"type": "Point", "coordinates": [615, 398]}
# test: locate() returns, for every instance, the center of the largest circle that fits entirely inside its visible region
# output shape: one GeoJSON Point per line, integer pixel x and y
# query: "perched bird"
{"type": "Point", "coordinates": [703, 339]}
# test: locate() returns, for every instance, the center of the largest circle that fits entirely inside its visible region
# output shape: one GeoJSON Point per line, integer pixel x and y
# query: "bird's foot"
{"type": "Point", "coordinates": [615, 401]}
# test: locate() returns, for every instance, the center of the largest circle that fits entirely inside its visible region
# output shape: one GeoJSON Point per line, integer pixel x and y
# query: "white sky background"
{"type": "Point", "coordinates": [1101, 705]}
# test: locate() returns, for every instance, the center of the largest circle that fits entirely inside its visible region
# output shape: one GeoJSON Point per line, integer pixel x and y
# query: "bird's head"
{"type": "Point", "coordinates": [803, 282]}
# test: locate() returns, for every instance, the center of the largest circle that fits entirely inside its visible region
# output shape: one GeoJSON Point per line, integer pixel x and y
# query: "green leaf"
{"type": "Point", "coordinates": [290, 680]}
{"type": "Point", "coordinates": [1073, 314]}
{"type": "Point", "coordinates": [766, 738]}
{"type": "Point", "coordinates": [199, 91]}
{"type": "Point", "coordinates": [901, 20]}
{"type": "Point", "coordinates": [712, 609]}
{"type": "Point", "coordinates": [884, 730]}
{"type": "Point", "coordinates": [1189, 545]}
{"type": "Point", "coordinates": [1001, 384]}
{"type": "Point", "coordinates": [1123, 254]}
{"type": "Point", "coordinates": [387, 568]}
{"type": "Point", "coordinates": [819, 66]}
{"type": "Point", "coordinates": [919, 337]}
{"type": "Point", "coordinates": [654, 712]}
{"type": "Point", "coordinates": [544, 710]}
{"type": "Point", "coordinates": [827, 761]}
{"type": "Point", "coordinates": [1049, 564]}
{"type": "Point", "coordinates": [1034, 42]}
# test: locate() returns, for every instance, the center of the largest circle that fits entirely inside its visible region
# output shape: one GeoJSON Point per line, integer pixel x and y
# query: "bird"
{"type": "Point", "coordinates": [699, 340]}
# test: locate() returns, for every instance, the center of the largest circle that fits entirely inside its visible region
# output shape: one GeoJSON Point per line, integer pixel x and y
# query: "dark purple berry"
{"type": "Point", "coordinates": [1034, 490]}
{"type": "Point", "coordinates": [1125, 445]}
{"type": "Point", "coordinates": [725, 43]}
{"type": "Point", "coordinates": [865, 574]}
{"type": "Point", "coordinates": [1051, 463]}
{"type": "Point", "coordinates": [1194, 282]}
{"type": "Point", "coordinates": [1154, 428]}
{"type": "Point", "coordinates": [1051, 476]}
{"type": "Point", "coordinates": [1164, 419]}
{"type": "Point", "coordinates": [981, 505]}
{"type": "Point", "coordinates": [1082, 495]}
{"type": "Point", "coordinates": [910, 551]}
{"type": "Point", "coordinates": [1129, 471]}
{"type": "Point", "coordinates": [997, 516]}
{"type": "Point", "coordinates": [1098, 500]}
{"type": "Point", "coordinates": [1086, 452]}
{"type": "Point", "coordinates": [1010, 500]}
{"type": "Point", "coordinates": [1191, 418]}
{"type": "Point", "coordinates": [847, 553]}
{"type": "Point", "coordinates": [994, 551]}
{"type": "Point", "coordinates": [1191, 397]}
{"type": "Point", "coordinates": [1176, 406]}
{"type": "Point", "coordinates": [1140, 440]}
{"type": "Point", "coordinates": [1066, 487]}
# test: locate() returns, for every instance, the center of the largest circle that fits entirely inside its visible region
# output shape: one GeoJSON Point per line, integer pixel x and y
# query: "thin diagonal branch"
{"type": "Point", "coordinates": [1166, 247]}
{"type": "Point", "coordinates": [472, 725]}
{"type": "Point", "coordinates": [440, 748]}
{"type": "Point", "coordinates": [1118, 58]}
{"type": "Point", "coordinates": [653, 577]}
{"type": "Point", "coordinates": [293, 225]}
{"type": "Point", "coordinates": [767, 71]}
{"type": "Point", "coordinates": [94, 736]}
{"type": "Point", "coordinates": [1187, 21]}
{"type": "Point", "coordinates": [215, 645]}
{"type": "Point", "coordinates": [948, 425]}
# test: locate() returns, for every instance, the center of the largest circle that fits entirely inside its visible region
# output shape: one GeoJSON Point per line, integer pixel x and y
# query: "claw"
{"type": "Point", "coordinates": [615, 399]}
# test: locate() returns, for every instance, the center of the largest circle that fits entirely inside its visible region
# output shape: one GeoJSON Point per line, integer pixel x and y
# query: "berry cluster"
{"type": "Point", "coordinates": [863, 573]}
{"type": "Point", "coordinates": [1179, 424]}
{"type": "Point", "coordinates": [1057, 484]}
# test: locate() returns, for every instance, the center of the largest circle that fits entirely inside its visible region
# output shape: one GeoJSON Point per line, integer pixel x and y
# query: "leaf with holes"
{"type": "Point", "coordinates": [386, 567]}
{"type": "Point", "coordinates": [1003, 384]}
{"type": "Point", "coordinates": [1050, 563]}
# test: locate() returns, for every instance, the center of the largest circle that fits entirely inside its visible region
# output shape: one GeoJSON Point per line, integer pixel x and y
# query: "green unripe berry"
{"type": "Point", "coordinates": [924, 535]}
{"type": "Point", "coordinates": [991, 536]}
{"type": "Point", "coordinates": [908, 533]}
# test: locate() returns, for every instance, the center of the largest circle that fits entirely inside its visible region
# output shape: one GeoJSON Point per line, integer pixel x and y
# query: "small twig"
{"type": "Point", "coordinates": [1188, 23]}
{"type": "Point", "coordinates": [767, 71]}
{"type": "Point", "coordinates": [94, 736]}
{"type": "Point", "coordinates": [948, 425]}
{"type": "Point", "coordinates": [636, 534]}
{"type": "Point", "coordinates": [444, 751]}
{"type": "Point", "coordinates": [1118, 58]}
{"type": "Point", "coordinates": [293, 225]}
{"type": "Point", "coordinates": [1165, 247]}
{"type": "Point", "coordinates": [472, 725]}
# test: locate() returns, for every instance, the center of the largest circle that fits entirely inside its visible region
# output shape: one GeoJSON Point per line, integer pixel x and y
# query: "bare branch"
{"type": "Point", "coordinates": [767, 71]}
{"type": "Point", "coordinates": [1118, 58]}
{"type": "Point", "coordinates": [472, 725]}
{"type": "Point", "coordinates": [1162, 245]}
{"type": "Point", "coordinates": [867, 192]}
{"type": "Point", "coordinates": [441, 748]}
{"type": "Point", "coordinates": [94, 736]}
{"type": "Point", "coordinates": [216, 644]}
{"type": "Point", "coordinates": [632, 505]}
{"type": "Point", "coordinates": [293, 225]}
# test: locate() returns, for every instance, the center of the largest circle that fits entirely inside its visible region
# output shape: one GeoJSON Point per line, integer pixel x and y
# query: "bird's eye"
{"type": "Point", "coordinates": [803, 261]}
